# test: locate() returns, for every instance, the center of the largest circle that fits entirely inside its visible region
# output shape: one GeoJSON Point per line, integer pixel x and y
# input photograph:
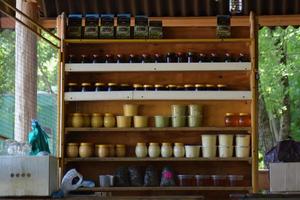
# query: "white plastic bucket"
{"type": "Point", "coordinates": [225, 151]}
{"type": "Point", "coordinates": [209, 140]}
{"type": "Point", "coordinates": [242, 140]}
{"type": "Point", "coordinates": [209, 151]}
{"type": "Point", "coordinates": [242, 151]}
{"type": "Point", "coordinates": [192, 151]}
{"type": "Point", "coordinates": [225, 140]}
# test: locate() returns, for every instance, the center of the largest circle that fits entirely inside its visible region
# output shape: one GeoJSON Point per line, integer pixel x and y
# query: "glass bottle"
{"type": "Point", "coordinates": [202, 58]}
{"type": "Point", "coordinates": [242, 58]}
{"type": "Point", "coordinates": [158, 58]}
{"type": "Point", "coordinates": [213, 57]}
{"type": "Point", "coordinates": [108, 58]}
{"type": "Point", "coordinates": [228, 57]}
{"type": "Point", "coordinates": [96, 58]}
{"type": "Point", "coordinates": [84, 58]}
{"type": "Point", "coordinates": [171, 57]}
{"type": "Point", "coordinates": [71, 58]}
{"type": "Point", "coordinates": [191, 57]}
{"type": "Point", "coordinates": [120, 58]}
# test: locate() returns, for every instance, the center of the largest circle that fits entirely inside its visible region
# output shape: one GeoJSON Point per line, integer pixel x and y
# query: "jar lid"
{"type": "Point", "coordinates": [111, 84]}
{"type": "Point", "coordinates": [244, 114]}
{"type": "Point", "coordinates": [85, 84]}
{"type": "Point", "coordinates": [120, 145]}
{"type": "Point", "coordinates": [221, 86]}
{"type": "Point", "coordinates": [141, 143]}
{"type": "Point", "coordinates": [210, 85]}
{"type": "Point", "coordinates": [166, 143]}
{"type": "Point", "coordinates": [72, 144]}
{"type": "Point", "coordinates": [77, 114]}
{"type": "Point", "coordinates": [96, 114]}
{"type": "Point", "coordinates": [178, 144]}
{"type": "Point", "coordinates": [188, 85]}
{"type": "Point", "coordinates": [153, 143]}
{"type": "Point", "coordinates": [85, 144]}
{"type": "Point", "coordinates": [103, 145]}
{"type": "Point", "coordinates": [137, 85]}
{"type": "Point", "coordinates": [108, 115]}
{"type": "Point", "coordinates": [99, 84]}
{"type": "Point", "coordinates": [124, 85]}
{"type": "Point", "coordinates": [172, 86]}
{"type": "Point", "coordinates": [199, 85]}
{"type": "Point", "coordinates": [158, 85]}
{"type": "Point", "coordinates": [148, 86]}
{"type": "Point", "coordinates": [72, 84]}
{"type": "Point", "coordinates": [229, 114]}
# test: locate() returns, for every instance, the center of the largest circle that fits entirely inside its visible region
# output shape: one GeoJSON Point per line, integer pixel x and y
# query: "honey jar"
{"type": "Point", "coordinates": [112, 87]}
{"type": "Point", "coordinates": [210, 87]}
{"type": "Point", "coordinates": [138, 87]}
{"type": "Point", "coordinates": [103, 151]}
{"type": "Point", "coordinates": [159, 87]}
{"type": "Point", "coordinates": [109, 120]}
{"type": "Point", "coordinates": [148, 87]}
{"type": "Point", "coordinates": [86, 87]}
{"type": "Point", "coordinates": [231, 120]}
{"type": "Point", "coordinates": [96, 120]}
{"type": "Point", "coordinates": [120, 150]}
{"type": "Point", "coordinates": [72, 87]}
{"type": "Point", "coordinates": [172, 87]}
{"type": "Point", "coordinates": [72, 150]}
{"type": "Point", "coordinates": [244, 119]}
{"type": "Point", "coordinates": [199, 87]}
{"type": "Point", "coordinates": [77, 120]}
{"type": "Point", "coordinates": [86, 150]}
{"type": "Point", "coordinates": [189, 87]}
{"type": "Point", "coordinates": [221, 87]}
{"type": "Point", "coordinates": [100, 87]}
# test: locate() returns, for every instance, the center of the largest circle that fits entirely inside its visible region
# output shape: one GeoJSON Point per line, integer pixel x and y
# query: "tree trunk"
{"type": "Point", "coordinates": [285, 120]}
{"type": "Point", "coordinates": [25, 72]}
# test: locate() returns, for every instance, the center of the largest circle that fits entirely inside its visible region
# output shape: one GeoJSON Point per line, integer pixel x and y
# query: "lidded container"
{"type": "Point", "coordinates": [186, 180]}
{"type": "Point", "coordinates": [161, 121]}
{"type": "Point", "coordinates": [112, 87]}
{"type": "Point", "coordinates": [178, 110]}
{"type": "Point", "coordinates": [221, 87]}
{"type": "Point", "coordinates": [208, 140]}
{"type": "Point", "coordinates": [225, 139]}
{"type": "Point", "coordinates": [96, 120]}
{"type": "Point", "coordinates": [140, 121]}
{"type": "Point", "coordinates": [166, 150]}
{"type": "Point", "coordinates": [225, 151]}
{"type": "Point", "coordinates": [244, 120]}
{"type": "Point", "coordinates": [86, 150]}
{"type": "Point", "coordinates": [189, 87]}
{"type": "Point", "coordinates": [210, 87]}
{"type": "Point", "coordinates": [172, 87]}
{"type": "Point", "coordinates": [72, 150]}
{"type": "Point", "coordinates": [242, 140]}
{"type": "Point", "coordinates": [199, 87]}
{"type": "Point", "coordinates": [124, 121]}
{"type": "Point", "coordinates": [86, 120]}
{"type": "Point", "coordinates": [153, 150]}
{"type": "Point", "coordinates": [178, 150]}
{"type": "Point", "coordinates": [103, 150]}
{"type": "Point", "coordinates": [130, 109]}
{"type": "Point", "coordinates": [138, 87]}
{"type": "Point", "coordinates": [141, 150]}
{"type": "Point", "coordinates": [109, 120]}
{"type": "Point", "coordinates": [86, 87]}
{"type": "Point", "coordinates": [148, 87]}
{"type": "Point", "coordinates": [100, 87]}
{"type": "Point", "coordinates": [77, 120]}
{"type": "Point", "coordinates": [120, 150]}
{"type": "Point", "coordinates": [72, 87]}
{"type": "Point", "coordinates": [219, 180]}
{"type": "Point", "coordinates": [159, 87]}
{"type": "Point", "coordinates": [242, 151]}
{"type": "Point", "coordinates": [230, 120]}
{"type": "Point", "coordinates": [192, 151]}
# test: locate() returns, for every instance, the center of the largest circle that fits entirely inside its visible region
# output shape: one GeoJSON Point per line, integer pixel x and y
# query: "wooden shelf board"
{"type": "Point", "coordinates": [134, 159]}
{"type": "Point", "coordinates": [156, 67]}
{"type": "Point", "coordinates": [153, 129]}
{"type": "Point", "coordinates": [158, 95]}
{"type": "Point", "coordinates": [173, 188]}
{"type": "Point", "coordinates": [112, 41]}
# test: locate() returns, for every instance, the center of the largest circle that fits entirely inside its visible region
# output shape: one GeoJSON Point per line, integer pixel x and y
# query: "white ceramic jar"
{"type": "Point", "coordinates": [154, 150]}
{"type": "Point", "coordinates": [178, 150]}
{"type": "Point", "coordinates": [192, 151]}
{"type": "Point", "coordinates": [166, 150]}
{"type": "Point", "coordinates": [141, 150]}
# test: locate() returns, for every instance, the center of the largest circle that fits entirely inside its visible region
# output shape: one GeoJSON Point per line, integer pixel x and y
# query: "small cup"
{"type": "Point", "coordinates": [178, 110]}
{"type": "Point", "coordinates": [209, 151]}
{"type": "Point", "coordinates": [225, 139]}
{"type": "Point", "coordinates": [161, 121]}
{"type": "Point", "coordinates": [178, 121]}
{"type": "Point", "coordinates": [192, 151]}
{"type": "Point", "coordinates": [123, 121]}
{"type": "Point", "coordinates": [140, 121]}
{"type": "Point", "coordinates": [209, 140]}
{"type": "Point", "coordinates": [194, 121]}
{"type": "Point", "coordinates": [130, 110]}
{"type": "Point", "coordinates": [195, 110]}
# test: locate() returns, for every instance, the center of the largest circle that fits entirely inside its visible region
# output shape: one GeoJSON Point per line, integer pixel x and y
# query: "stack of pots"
{"type": "Point", "coordinates": [178, 115]}
{"type": "Point", "coordinates": [242, 148]}
{"type": "Point", "coordinates": [131, 112]}
{"type": "Point", "coordinates": [209, 147]}
{"type": "Point", "coordinates": [195, 115]}
{"type": "Point", "coordinates": [225, 145]}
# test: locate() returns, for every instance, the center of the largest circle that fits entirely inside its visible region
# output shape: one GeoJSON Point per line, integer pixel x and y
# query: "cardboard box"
{"type": "Point", "coordinates": [285, 177]}
{"type": "Point", "coordinates": [28, 175]}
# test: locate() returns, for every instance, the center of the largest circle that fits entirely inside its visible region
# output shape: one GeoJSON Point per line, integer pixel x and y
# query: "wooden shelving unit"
{"type": "Point", "coordinates": [242, 97]}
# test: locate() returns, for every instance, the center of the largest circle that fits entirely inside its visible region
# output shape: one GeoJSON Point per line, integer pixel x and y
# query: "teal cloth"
{"type": "Point", "coordinates": [38, 139]}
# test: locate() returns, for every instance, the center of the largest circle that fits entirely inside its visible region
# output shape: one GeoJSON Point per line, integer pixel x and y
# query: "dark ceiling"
{"type": "Point", "coordinates": [52, 8]}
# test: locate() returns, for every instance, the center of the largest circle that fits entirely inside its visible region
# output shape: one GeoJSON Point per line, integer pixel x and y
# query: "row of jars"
{"type": "Point", "coordinates": [237, 119]}
{"type": "Point", "coordinates": [85, 150]}
{"type": "Point", "coordinates": [170, 57]}
{"type": "Point", "coordinates": [96, 120]}
{"type": "Point", "coordinates": [98, 87]}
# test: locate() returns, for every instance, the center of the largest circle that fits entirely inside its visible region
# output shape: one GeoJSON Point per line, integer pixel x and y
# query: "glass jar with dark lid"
{"type": "Point", "coordinates": [199, 87]}
{"type": "Point", "coordinates": [138, 87]}
{"type": "Point", "coordinates": [172, 87]}
{"type": "Point", "coordinates": [72, 87]}
{"type": "Point", "coordinates": [96, 58]}
{"type": "Point", "coordinates": [148, 87]}
{"type": "Point", "coordinates": [146, 58]}
{"type": "Point", "coordinates": [231, 120]}
{"type": "Point", "coordinates": [191, 57]}
{"type": "Point", "coordinates": [202, 58]}
{"type": "Point", "coordinates": [180, 88]}
{"type": "Point", "coordinates": [242, 58]}
{"type": "Point", "coordinates": [228, 57]}
{"type": "Point", "coordinates": [71, 59]}
{"type": "Point", "coordinates": [158, 58]}
{"type": "Point", "coordinates": [210, 87]}
{"type": "Point", "coordinates": [86, 87]}
{"type": "Point", "coordinates": [109, 58]}
{"type": "Point", "coordinates": [213, 57]}
{"type": "Point", "coordinates": [112, 87]}
{"type": "Point", "coordinates": [99, 87]}
{"type": "Point", "coordinates": [181, 57]}
{"type": "Point", "coordinates": [221, 87]}
{"type": "Point", "coordinates": [244, 119]}
{"type": "Point", "coordinates": [84, 58]}
{"type": "Point", "coordinates": [171, 57]}
{"type": "Point", "coordinates": [159, 87]}
{"type": "Point", "coordinates": [125, 87]}
{"type": "Point", "coordinates": [189, 87]}
{"type": "Point", "coordinates": [120, 58]}
{"type": "Point", "coordinates": [133, 58]}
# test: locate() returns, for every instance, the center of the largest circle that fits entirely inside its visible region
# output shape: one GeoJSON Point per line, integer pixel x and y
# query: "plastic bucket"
{"type": "Point", "coordinates": [225, 151]}
{"type": "Point", "coordinates": [242, 151]}
{"type": "Point", "coordinates": [209, 151]}
{"type": "Point", "coordinates": [242, 140]}
{"type": "Point", "coordinates": [209, 140]}
{"type": "Point", "coordinates": [225, 139]}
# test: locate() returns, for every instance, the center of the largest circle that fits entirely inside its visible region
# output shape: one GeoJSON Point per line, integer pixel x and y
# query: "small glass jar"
{"type": "Point", "coordinates": [148, 88]}
{"type": "Point", "coordinates": [180, 88]}
{"type": "Point", "coordinates": [210, 87]}
{"type": "Point", "coordinates": [109, 58]}
{"type": "Point", "coordinates": [133, 59]}
{"type": "Point", "coordinates": [189, 87]}
{"type": "Point", "coordinates": [146, 58]}
{"type": "Point", "coordinates": [171, 57]}
{"type": "Point", "coordinates": [112, 87]}
{"type": "Point", "coordinates": [77, 120]}
{"type": "Point", "coordinates": [138, 87]}
{"type": "Point", "coordinates": [228, 58]}
{"type": "Point", "coordinates": [72, 87]}
{"type": "Point", "coordinates": [71, 59]}
{"type": "Point", "coordinates": [86, 120]}
{"type": "Point", "coordinates": [120, 150]}
{"type": "Point", "coordinates": [141, 150]}
{"type": "Point", "coordinates": [199, 87]}
{"type": "Point", "coordinates": [231, 120]}
{"type": "Point", "coordinates": [86, 87]}
{"type": "Point", "coordinates": [158, 58]}
{"type": "Point", "coordinates": [72, 150]}
{"type": "Point", "coordinates": [96, 120]}
{"type": "Point", "coordinates": [181, 57]}
{"type": "Point", "coordinates": [109, 120]}
{"type": "Point", "coordinates": [103, 151]}
{"type": "Point", "coordinates": [242, 58]}
{"type": "Point", "coordinates": [100, 87]}
{"type": "Point", "coordinates": [120, 59]}
{"type": "Point", "coordinates": [125, 87]}
{"type": "Point", "coordinates": [154, 150]}
{"type": "Point", "coordinates": [166, 150]}
{"type": "Point", "coordinates": [84, 58]}
{"type": "Point", "coordinates": [96, 58]}
{"type": "Point", "coordinates": [221, 87]}
{"type": "Point", "coordinates": [202, 58]}
{"type": "Point", "coordinates": [191, 57]}
{"type": "Point", "coordinates": [86, 150]}
{"type": "Point", "coordinates": [159, 87]}
{"type": "Point", "coordinates": [172, 87]}
{"type": "Point", "coordinates": [244, 120]}
{"type": "Point", "coordinates": [213, 57]}
{"type": "Point", "coordinates": [178, 150]}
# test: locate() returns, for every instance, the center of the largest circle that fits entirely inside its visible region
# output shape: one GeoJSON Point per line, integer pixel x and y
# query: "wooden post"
{"type": "Point", "coordinates": [25, 72]}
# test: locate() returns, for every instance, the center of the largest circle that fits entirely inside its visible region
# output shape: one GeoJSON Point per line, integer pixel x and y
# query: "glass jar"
{"type": "Point", "coordinates": [221, 87]}
{"type": "Point", "coordinates": [191, 57]}
{"type": "Point", "coordinates": [84, 58]}
{"type": "Point", "coordinates": [77, 120]}
{"type": "Point", "coordinates": [202, 58]}
{"type": "Point", "coordinates": [96, 120]}
{"type": "Point", "coordinates": [145, 58]}
{"type": "Point", "coordinates": [133, 59]}
{"type": "Point", "coordinates": [158, 58]}
{"type": "Point", "coordinates": [86, 120]}
{"type": "Point", "coordinates": [138, 87]}
{"type": "Point", "coordinates": [244, 119]}
{"type": "Point", "coordinates": [72, 87]}
{"type": "Point", "coordinates": [242, 58]}
{"type": "Point", "coordinates": [166, 150]}
{"type": "Point", "coordinates": [100, 87]}
{"type": "Point", "coordinates": [180, 88]}
{"type": "Point", "coordinates": [71, 59]}
{"type": "Point", "coordinates": [178, 150]}
{"type": "Point", "coordinates": [210, 87]}
{"type": "Point", "coordinates": [141, 150]}
{"type": "Point", "coordinates": [112, 87]}
{"type": "Point", "coordinates": [154, 150]}
{"type": "Point", "coordinates": [199, 87]}
{"type": "Point", "coordinates": [109, 58]}
{"type": "Point", "coordinates": [148, 88]}
{"type": "Point", "coordinates": [96, 58]}
{"type": "Point", "coordinates": [189, 87]}
{"type": "Point", "coordinates": [181, 57]}
{"type": "Point", "coordinates": [86, 150]}
{"type": "Point", "coordinates": [228, 57]}
{"type": "Point", "coordinates": [213, 57]}
{"type": "Point", "coordinates": [171, 57]}
{"type": "Point", "coordinates": [72, 150]}
{"type": "Point", "coordinates": [231, 120]}
{"type": "Point", "coordinates": [125, 87]}
{"type": "Point", "coordinates": [172, 87]}
{"type": "Point", "coordinates": [120, 59]}
{"type": "Point", "coordinates": [120, 150]}
{"type": "Point", "coordinates": [109, 120]}
{"type": "Point", "coordinates": [103, 151]}
{"type": "Point", "coordinates": [159, 87]}
{"type": "Point", "coordinates": [86, 87]}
